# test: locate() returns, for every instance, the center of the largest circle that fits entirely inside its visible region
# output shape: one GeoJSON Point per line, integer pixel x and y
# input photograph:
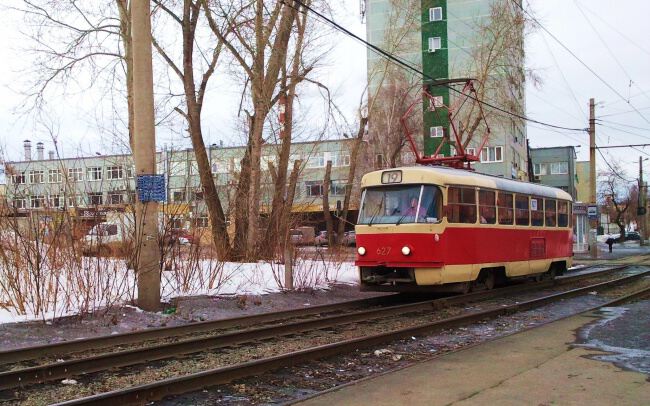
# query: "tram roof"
{"type": "Point", "coordinates": [449, 176]}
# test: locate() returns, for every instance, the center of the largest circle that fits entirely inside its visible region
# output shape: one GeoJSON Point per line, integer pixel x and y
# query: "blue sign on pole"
{"type": "Point", "coordinates": [151, 188]}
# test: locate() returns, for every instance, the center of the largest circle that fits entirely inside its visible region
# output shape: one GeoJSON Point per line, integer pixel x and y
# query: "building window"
{"type": "Point", "coordinates": [201, 222]}
{"type": "Point", "coordinates": [177, 168]}
{"type": "Point", "coordinates": [314, 188]}
{"type": "Point", "coordinates": [115, 198]}
{"type": "Point", "coordinates": [114, 172]}
{"type": "Point", "coordinates": [178, 196]}
{"type": "Point", "coordinates": [470, 151]}
{"type": "Point", "coordinates": [438, 101]}
{"type": "Point", "coordinates": [36, 177]}
{"type": "Point", "coordinates": [94, 173]}
{"type": "Point", "coordinates": [379, 161]}
{"type": "Point", "coordinates": [316, 161]}
{"type": "Point", "coordinates": [95, 199]}
{"type": "Point", "coordinates": [130, 171]}
{"type": "Point", "coordinates": [54, 176]}
{"type": "Point", "coordinates": [337, 188]}
{"type": "Point", "coordinates": [559, 168]}
{"type": "Point", "coordinates": [434, 43]}
{"type": "Point", "coordinates": [19, 203]}
{"type": "Point", "coordinates": [340, 160]}
{"type": "Point", "coordinates": [18, 179]}
{"type": "Point", "coordinates": [540, 169]}
{"type": "Point", "coordinates": [74, 200]}
{"type": "Point", "coordinates": [436, 132]}
{"type": "Point", "coordinates": [37, 202]}
{"type": "Point", "coordinates": [56, 201]}
{"type": "Point", "coordinates": [197, 195]}
{"type": "Point", "coordinates": [75, 174]}
{"type": "Point", "coordinates": [492, 154]}
{"type": "Point", "coordinates": [435, 14]}
{"type": "Point", "coordinates": [194, 168]}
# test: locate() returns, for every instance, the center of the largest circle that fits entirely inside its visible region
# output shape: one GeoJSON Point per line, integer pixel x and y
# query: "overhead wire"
{"type": "Point", "coordinates": [611, 53]}
{"type": "Point", "coordinates": [593, 72]}
{"type": "Point", "coordinates": [408, 66]}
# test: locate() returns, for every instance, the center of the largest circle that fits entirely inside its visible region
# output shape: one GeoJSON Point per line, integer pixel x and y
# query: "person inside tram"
{"type": "Point", "coordinates": [413, 207]}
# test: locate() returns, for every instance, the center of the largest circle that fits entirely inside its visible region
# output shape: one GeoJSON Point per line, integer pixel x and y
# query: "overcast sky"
{"type": "Point", "coordinates": [611, 40]}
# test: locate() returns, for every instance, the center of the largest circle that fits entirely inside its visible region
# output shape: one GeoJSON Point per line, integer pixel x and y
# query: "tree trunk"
{"type": "Point", "coordinates": [193, 116]}
{"type": "Point", "coordinates": [241, 206]}
{"type": "Point", "coordinates": [356, 147]}
{"type": "Point", "coordinates": [125, 33]}
{"type": "Point", "coordinates": [326, 205]}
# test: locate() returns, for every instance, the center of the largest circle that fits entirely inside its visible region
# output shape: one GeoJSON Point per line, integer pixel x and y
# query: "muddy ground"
{"type": "Point", "coordinates": [181, 310]}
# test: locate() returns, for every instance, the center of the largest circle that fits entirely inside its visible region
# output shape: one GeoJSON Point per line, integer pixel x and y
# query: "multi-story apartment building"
{"type": "Point", "coordinates": [447, 39]}
{"type": "Point", "coordinates": [92, 184]}
{"type": "Point", "coordinates": [556, 166]}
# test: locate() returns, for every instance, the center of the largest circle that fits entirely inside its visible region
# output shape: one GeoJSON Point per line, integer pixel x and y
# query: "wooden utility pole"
{"type": "Point", "coordinates": [641, 209]}
{"type": "Point", "coordinates": [593, 224]}
{"type": "Point", "coordinates": [144, 155]}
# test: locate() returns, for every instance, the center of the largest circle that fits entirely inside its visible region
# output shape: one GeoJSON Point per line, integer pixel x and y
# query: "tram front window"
{"type": "Point", "coordinates": [400, 205]}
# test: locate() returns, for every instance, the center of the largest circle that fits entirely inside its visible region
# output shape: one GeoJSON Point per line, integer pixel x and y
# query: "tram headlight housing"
{"type": "Point", "coordinates": [406, 250]}
{"type": "Point", "coordinates": [361, 251]}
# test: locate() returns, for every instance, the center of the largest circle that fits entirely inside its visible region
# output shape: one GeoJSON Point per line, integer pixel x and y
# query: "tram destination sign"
{"type": "Point", "coordinates": [391, 177]}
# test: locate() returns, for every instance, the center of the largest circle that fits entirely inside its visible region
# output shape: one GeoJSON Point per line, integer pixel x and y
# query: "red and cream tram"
{"type": "Point", "coordinates": [438, 228]}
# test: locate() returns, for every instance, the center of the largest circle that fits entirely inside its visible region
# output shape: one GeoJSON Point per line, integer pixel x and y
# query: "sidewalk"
{"type": "Point", "coordinates": [535, 367]}
{"type": "Point", "coordinates": [619, 250]}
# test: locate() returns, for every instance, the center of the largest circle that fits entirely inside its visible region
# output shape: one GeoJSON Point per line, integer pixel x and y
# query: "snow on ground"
{"type": "Point", "coordinates": [96, 284]}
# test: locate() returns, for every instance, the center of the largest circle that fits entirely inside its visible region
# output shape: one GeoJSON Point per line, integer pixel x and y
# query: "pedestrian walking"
{"type": "Point", "coordinates": [610, 242]}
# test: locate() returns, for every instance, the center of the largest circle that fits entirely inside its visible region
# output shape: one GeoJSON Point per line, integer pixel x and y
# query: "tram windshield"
{"type": "Point", "coordinates": [400, 204]}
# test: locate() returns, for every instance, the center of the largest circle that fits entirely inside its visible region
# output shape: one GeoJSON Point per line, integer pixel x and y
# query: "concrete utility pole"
{"type": "Point", "coordinates": [593, 224]}
{"type": "Point", "coordinates": [641, 210]}
{"type": "Point", "coordinates": [144, 155]}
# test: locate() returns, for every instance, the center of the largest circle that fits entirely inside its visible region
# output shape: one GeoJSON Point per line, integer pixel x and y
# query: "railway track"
{"type": "Point", "coordinates": [286, 324]}
{"type": "Point", "coordinates": [26, 376]}
{"type": "Point", "coordinates": [153, 334]}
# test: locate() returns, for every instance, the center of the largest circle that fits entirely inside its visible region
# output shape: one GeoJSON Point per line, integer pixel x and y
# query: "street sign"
{"type": "Point", "coordinates": [151, 188]}
{"type": "Point", "coordinates": [592, 212]}
{"type": "Point", "coordinates": [580, 209]}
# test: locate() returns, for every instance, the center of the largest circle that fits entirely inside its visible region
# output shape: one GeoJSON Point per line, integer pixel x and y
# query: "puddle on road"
{"type": "Point", "coordinates": [623, 333]}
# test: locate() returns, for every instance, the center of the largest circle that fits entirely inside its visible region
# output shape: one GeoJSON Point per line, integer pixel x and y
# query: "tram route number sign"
{"type": "Point", "coordinates": [391, 177]}
{"type": "Point", "coordinates": [151, 188]}
{"type": "Point", "coordinates": [592, 212]}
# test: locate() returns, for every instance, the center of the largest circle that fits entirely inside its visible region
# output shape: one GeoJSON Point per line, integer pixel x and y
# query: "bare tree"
{"type": "Point", "coordinates": [618, 196]}
{"type": "Point", "coordinates": [194, 93]}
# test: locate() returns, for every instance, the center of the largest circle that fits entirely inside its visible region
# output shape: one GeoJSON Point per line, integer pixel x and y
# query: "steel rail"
{"type": "Point", "coordinates": [197, 381]}
{"type": "Point", "coordinates": [92, 343]}
{"type": "Point", "coordinates": [66, 369]}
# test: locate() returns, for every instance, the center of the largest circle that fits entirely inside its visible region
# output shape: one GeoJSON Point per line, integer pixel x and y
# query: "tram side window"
{"type": "Point", "coordinates": [563, 214]}
{"type": "Point", "coordinates": [487, 206]}
{"type": "Point", "coordinates": [536, 211]}
{"type": "Point", "coordinates": [522, 213]}
{"type": "Point", "coordinates": [461, 205]}
{"type": "Point", "coordinates": [506, 213]}
{"type": "Point", "coordinates": [550, 212]}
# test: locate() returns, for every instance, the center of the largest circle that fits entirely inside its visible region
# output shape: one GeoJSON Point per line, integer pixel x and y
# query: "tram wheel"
{"type": "Point", "coordinates": [466, 287]}
{"type": "Point", "coordinates": [490, 281]}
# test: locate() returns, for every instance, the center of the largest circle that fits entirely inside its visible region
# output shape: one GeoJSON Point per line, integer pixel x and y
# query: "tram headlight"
{"type": "Point", "coordinates": [406, 250]}
{"type": "Point", "coordinates": [361, 251]}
